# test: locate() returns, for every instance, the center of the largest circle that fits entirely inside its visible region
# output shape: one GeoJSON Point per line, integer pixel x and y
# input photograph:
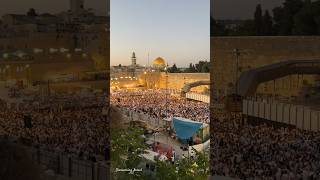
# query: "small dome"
{"type": "Point", "coordinates": [159, 62]}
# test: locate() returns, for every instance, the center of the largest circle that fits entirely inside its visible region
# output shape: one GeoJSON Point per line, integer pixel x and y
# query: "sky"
{"type": "Point", "coordinates": [176, 30]}
{"type": "Point", "coordinates": [240, 9]}
{"type": "Point", "coordinates": [51, 6]}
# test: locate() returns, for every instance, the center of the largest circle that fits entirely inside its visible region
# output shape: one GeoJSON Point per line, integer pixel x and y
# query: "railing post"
{"type": "Point", "coordinates": [98, 172]}
{"type": "Point", "coordinates": [93, 171]}
{"type": "Point", "coordinates": [70, 166]}
{"type": "Point", "coordinates": [38, 154]}
{"type": "Point", "coordinates": [58, 160]}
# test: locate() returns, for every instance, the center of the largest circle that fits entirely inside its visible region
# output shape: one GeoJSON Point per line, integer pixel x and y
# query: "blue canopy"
{"type": "Point", "coordinates": [185, 128]}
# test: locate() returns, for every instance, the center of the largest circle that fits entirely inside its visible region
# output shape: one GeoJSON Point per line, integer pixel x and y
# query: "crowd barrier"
{"type": "Point", "coordinates": [198, 97]}
{"type": "Point", "coordinates": [299, 116]}
{"type": "Point", "coordinates": [69, 166]}
{"type": "Point", "coordinates": [174, 91]}
{"type": "Point", "coordinates": [136, 116]}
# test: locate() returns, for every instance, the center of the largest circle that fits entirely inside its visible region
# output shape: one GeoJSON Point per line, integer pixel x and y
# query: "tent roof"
{"type": "Point", "coordinates": [191, 121]}
{"type": "Point", "coordinates": [185, 128]}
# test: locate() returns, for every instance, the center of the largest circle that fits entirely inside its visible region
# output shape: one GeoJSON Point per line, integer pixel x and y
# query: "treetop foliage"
{"type": "Point", "coordinates": [293, 17]}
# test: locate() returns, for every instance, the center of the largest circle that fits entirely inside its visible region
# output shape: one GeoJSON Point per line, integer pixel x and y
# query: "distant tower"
{"type": "Point", "coordinates": [133, 60]}
{"type": "Point", "coordinates": [133, 64]}
{"type": "Point", "coordinates": [76, 6]}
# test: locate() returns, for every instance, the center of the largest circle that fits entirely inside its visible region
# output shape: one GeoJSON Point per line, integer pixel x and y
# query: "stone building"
{"type": "Point", "coordinates": [68, 43]}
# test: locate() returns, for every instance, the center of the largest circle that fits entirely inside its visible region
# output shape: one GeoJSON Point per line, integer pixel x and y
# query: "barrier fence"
{"type": "Point", "coordinates": [69, 166]}
{"type": "Point", "coordinates": [173, 91]}
{"type": "Point", "coordinates": [136, 116]}
{"type": "Point", "coordinates": [300, 116]}
{"type": "Point", "coordinates": [198, 97]}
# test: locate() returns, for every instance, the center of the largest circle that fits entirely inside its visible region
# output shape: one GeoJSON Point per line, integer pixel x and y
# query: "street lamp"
{"type": "Point", "coordinates": [237, 54]}
{"type": "Point", "coordinates": [145, 78]}
{"type": "Point", "coordinates": [166, 69]}
{"type": "Point", "coordinates": [28, 75]}
{"type": "Point", "coordinates": [7, 73]}
{"type": "Point", "coordinates": [7, 69]}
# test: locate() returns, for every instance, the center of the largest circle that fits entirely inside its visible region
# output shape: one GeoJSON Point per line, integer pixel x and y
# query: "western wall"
{"type": "Point", "coordinates": [178, 80]}
{"type": "Point", "coordinates": [256, 52]}
{"type": "Point", "coordinates": [174, 81]}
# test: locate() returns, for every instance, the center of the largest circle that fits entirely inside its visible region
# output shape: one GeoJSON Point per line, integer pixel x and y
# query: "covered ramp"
{"type": "Point", "coordinates": [249, 81]}
{"type": "Point", "coordinates": [186, 88]}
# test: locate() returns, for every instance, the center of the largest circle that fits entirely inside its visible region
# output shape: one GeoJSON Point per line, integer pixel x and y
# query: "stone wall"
{"type": "Point", "coordinates": [37, 40]}
{"type": "Point", "coordinates": [41, 66]}
{"type": "Point", "coordinates": [257, 52]}
{"type": "Point", "coordinates": [92, 42]}
{"type": "Point", "coordinates": [159, 79]}
{"type": "Point", "coordinates": [178, 80]}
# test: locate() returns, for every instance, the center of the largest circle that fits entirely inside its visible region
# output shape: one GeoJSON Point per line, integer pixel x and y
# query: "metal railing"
{"type": "Point", "coordinates": [198, 97]}
{"type": "Point", "coordinates": [64, 164]}
{"type": "Point", "coordinates": [140, 116]}
{"type": "Point", "coordinates": [302, 117]}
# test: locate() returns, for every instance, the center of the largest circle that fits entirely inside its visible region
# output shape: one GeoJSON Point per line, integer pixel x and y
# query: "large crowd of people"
{"type": "Point", "coordinates": [71, 123]}
{"type": "Point", "coordinates": [74, 123]}
{"type": "Point", "coordinates": [161, 104]}
{"type": "Point", "coordinates": [245, 151]}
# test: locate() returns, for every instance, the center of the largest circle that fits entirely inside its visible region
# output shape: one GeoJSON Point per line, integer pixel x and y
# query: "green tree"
{"type": "Point", "coordinates": [127, 146]}
{"type": "Point", "coordinates": [258, 20]}
{"type": "Point", "coordinates": [267, 26]}
{"type": "Point", "coordinates": [216, 28]}
{"type": "Point", "coordinates": [205, 68]}
{"type": "Point", "coordinates": [293, 17]}
{"type": "Point", "coordinates": [202, 66]}
{"type": "Point", "coordinates": [166, 171]}
{"type": "Point", "coordinates": [173, 69]}
{"type": "Point", "coordinates": [184, 169]}
{"type": "Point", "coordinates": [316, 15]}
{"type": "Point", "coordinates": [284, 16]}
{"type": "Point", "coordinates": [191, 69]}
{"type": "Point", "coordinates": [32, 12]}
{"type": "Point", "coordinates": [304, 21]}
{"type": "Point", "coordinates": [246, 28]}
{"type": "Point", "coordinates": [277, 19]}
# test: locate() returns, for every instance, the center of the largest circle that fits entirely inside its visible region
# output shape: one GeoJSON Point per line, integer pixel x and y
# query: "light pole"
{"type": "Point", "coordinates": [7, 74]}
{"type": "Point", "coordinates": [237, 54]}
{"type": "Point", "coordinates": [145, 79]}
{"type": "Point", "coordinates": [28, 75]}
{"type": "Point", "coordinates": [166, 69]}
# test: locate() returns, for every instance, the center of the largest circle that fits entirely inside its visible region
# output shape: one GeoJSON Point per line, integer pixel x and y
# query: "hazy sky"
{"type": "Point", "coordinates": [51, 6]}
{"type": "Point", "coordinates": [177, 30]}
{"type": "Point", "coordinates": [240, 9]}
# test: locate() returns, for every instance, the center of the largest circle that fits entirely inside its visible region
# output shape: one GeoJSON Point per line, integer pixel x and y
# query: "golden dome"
{"type": "Point", "coordinates": [159, 62]}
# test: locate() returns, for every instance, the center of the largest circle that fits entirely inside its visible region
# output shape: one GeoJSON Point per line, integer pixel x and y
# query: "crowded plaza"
{"type": "Point", "coordinates": [244, 151]}
{"type": "Point", "coordinates": [160, 104]}
{"type": "Point", "coordinates": [67, 123]}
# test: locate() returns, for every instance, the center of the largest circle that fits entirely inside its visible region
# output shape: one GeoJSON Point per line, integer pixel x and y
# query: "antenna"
{"type": "Point", "coordinates": [148, 60]}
